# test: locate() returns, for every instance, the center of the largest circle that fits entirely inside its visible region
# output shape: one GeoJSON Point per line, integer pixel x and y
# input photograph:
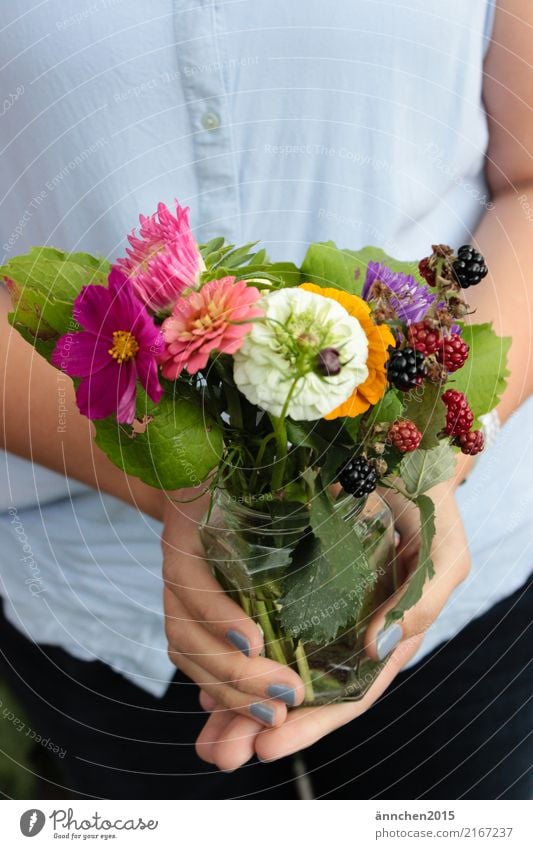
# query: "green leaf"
{"type": "Point", "coordinates": [422, 469]}
{"type": "Point", "coordinates": [425, 407]}
{"type": "Point", "coordinates": [330, 441]}
{"type": "Point", "coordinates": [424, 568]}
{"type": "Point", "coordinates": [211, 247]}
{"type": "Point", "coordinates": [180, 445]}
{"type": "Point", "coordinates": [387, 410]}
{"type": "Point", "coordinates": [327, 265]}
{"type": "Point", "coordinates": [284, 273]}
{"type": "Point", "coordinates": [330, 578]}
{"type": "Point", "coordinates": [43, 285]}
{"type": "Point", "coordinates": [483, 377]}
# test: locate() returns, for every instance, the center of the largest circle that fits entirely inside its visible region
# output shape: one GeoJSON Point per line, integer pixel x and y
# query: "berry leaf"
{"type": "Point", "coordinates": [483, 376]}
{"type": "Point", "coordinates": [330, 576]}
{"type": "Point", "coordinates": [387, 410]}
{"type": "Point", "coordinates": [327, 265]}
{"type": "Point", "coordinates": [43, 285]}
{"type": "Point", "coordinates": [422, 469]}
{"type": "Point", "coordinates": [426, 409]}
{"type": "Point", "coordinates": [424, 569]}
{"type": "Point", "coordinates": [180, 444]}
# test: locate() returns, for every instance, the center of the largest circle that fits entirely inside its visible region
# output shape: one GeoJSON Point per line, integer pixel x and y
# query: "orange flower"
{"type": "Point", "coordinates": [379, 338]}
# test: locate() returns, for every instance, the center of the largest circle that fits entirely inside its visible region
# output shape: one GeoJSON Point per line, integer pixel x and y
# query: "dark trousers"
{"type": "Point", "coordinates": [455, 726]}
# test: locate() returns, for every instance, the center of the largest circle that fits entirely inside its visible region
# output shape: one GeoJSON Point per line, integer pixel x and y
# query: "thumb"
{"type": "Point", "coordinates": [381, 639]}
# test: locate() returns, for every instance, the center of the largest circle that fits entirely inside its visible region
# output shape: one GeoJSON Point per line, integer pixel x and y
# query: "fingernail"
{"type": "Point", "coordinates": [263, 712]}
{"type": "Point", "coordinates": [282, 692]}
{"type": "Point", "coordinates": [239, 641]}
{"type": "Point", "coordinates": [387, 640]}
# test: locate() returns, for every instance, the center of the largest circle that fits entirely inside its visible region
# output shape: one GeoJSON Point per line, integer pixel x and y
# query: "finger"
{"type": "Point", "coordinates": [258, 676]}
{"type": "Point", "coordinates": [227, 739]}
{"type": "Point", "coordinates": [206, 702]}
{"type": "Point", "coordinates": [266, 711]}
{"type": "Point", "coordinates": [211, 732]}
{"type": "Point", "coordinates": [233, 744]}
{"type": "Point", "coordinates": [189, 578]}
{"type": "Point", "coordinates": [451, 564]}
{"type": "Point", "coordinates": [305, 726]}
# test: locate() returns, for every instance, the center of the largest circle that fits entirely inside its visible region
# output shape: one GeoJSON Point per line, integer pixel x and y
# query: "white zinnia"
{"type": "Point", "coordinates": [284, 346]}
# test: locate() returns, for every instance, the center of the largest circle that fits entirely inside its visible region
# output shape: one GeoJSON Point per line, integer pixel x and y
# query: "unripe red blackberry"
{"type": "Point", "coordinates": [459, 416]}
{"type": "Point", "coordinates": [426, 271]}
{"type": "Point", "coordinates": [471, 443]}
{"type": "Point", "coordinates": [404, 435]}
{"type": "Point", "coordinates": [453, 352]}
{"type": "Point", "coordinates": [424, 338]}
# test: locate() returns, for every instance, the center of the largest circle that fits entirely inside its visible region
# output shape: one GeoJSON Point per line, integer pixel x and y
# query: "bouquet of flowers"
{"type": "Point", "coordinates": [290, 394]}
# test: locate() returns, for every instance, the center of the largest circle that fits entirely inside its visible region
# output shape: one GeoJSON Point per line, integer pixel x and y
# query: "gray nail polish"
{"type": "Point", "coordinates": [283, 693]}
{"type": "Point", "coordinates": [239, 641]}
{"type": "Point", "coordinates": [387, 640]}
{"type": "Point", "coordinates": [263, 712]}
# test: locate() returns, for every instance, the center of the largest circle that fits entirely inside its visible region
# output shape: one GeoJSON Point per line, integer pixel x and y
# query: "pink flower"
{"type": "Point", "coordinates": [206, 321]}
{"type": "Point", "coordinates": [118, 345]}
{"type": "Point", "coordinates": [164, 259]}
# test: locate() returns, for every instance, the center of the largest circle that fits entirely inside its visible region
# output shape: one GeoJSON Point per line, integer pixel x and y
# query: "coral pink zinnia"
{"type": "Point", "coordinates": [164, 259]}
{"type": "Point", "coordinates": [206, 321]}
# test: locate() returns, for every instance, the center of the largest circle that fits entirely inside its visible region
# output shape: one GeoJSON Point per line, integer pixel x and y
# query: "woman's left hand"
{"type": "Point", "coordinates": [229, 740]}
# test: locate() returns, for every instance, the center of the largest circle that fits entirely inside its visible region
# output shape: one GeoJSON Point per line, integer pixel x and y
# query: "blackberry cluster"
{"type": "Point", "coordinates": [453, 352]}
{"type": "Point", "coordinates": [358, 477]}
{"type": "Point", "coordinates": [405, 368]}
{"type": "Point", "coordinates": [426, 271]}
{"type": "Point", "coordinates": [404, 435]}
{"type": "Point", "coordinates": [469, 267]}
{"type": "Point", "coordinates": [459, 416]}
{"type": "Point", "coordinates": [471, 443]}
{"type": "Point", "coordinates": [424, 338]}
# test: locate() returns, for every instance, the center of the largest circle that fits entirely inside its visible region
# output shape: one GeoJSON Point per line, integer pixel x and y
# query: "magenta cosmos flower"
{"type": "Point", "coordinates": [164, 259]}
{"type": "Point", "coordinates": [119, 344]}
{"type": "Point", "coordinates": [213, 319]}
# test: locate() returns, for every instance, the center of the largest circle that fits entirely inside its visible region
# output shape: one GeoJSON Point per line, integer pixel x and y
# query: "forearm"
{"type": "Point", "coordinates": [41, 423]}
{"type": "Point", "coordinates": [505, 237]}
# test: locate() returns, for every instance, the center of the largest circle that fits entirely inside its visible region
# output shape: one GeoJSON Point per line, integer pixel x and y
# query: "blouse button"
{"type": "Point", "coordinates": [210, 120]}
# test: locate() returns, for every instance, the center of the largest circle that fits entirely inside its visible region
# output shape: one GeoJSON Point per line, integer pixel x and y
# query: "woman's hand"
{"type": "Point", "coordinates": [210, 638]}
{"type": "Point", "coordinates": [229, 740]}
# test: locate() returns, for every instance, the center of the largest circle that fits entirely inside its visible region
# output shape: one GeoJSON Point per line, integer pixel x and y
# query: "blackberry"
{"type": "Point", "coordinates": [472, 442]}
{"type": "Point", "coordinates": [358, 477]}
{"type": "Point", "coordinates": [404, 435]}
{"type": "Point", "coordinates": [405, 368]}
{"type": "Point", "coordinates": [423, 337]}
{"type": "Point", "coordinates": [459, 416]}
{"type": "Point", "coordinates": [453, 352]}
{"type": "Point", "coordinates": [469, 267]}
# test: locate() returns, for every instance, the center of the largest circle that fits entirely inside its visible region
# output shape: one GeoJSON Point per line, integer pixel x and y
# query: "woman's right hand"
{"type": "Point", "coordinates": [210, 638]}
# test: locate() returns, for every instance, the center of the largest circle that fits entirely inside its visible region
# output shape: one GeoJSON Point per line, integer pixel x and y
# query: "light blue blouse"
{"type": "Point", "coordinates": [356, 121]}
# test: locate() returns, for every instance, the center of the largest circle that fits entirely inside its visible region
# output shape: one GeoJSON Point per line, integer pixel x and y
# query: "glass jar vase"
{"type": "Point", "coordinates": [250, 551]}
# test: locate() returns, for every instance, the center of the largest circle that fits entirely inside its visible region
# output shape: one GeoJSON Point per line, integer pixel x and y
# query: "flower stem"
{"type": "Point", "coordinates": [280, 432]}
{"type": "Point", "coordinates": [304, 672]}
{"type": "Point", "coordinates": [273, 643]}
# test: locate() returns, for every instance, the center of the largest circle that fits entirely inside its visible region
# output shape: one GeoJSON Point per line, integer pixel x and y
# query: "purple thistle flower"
{"type": "Point", "coordinates": [118, 345]}
{"type": "Point", "coordinates": [409, 300]}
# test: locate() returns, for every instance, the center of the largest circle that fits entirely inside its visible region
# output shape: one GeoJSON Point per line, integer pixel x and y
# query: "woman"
{"type": "Point", "coordinates": [385, 123]}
